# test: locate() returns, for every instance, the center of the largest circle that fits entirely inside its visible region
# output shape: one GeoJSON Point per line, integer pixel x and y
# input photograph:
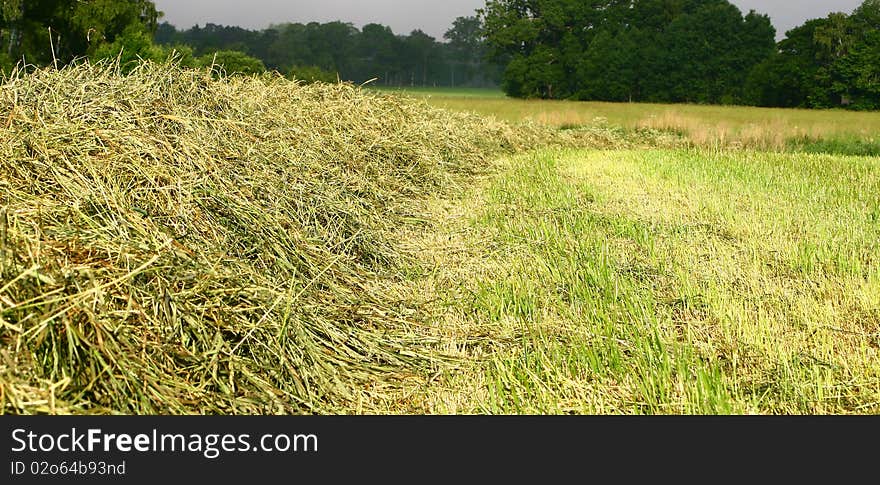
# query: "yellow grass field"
{"type": "Point", "coordinates": [764, 128]}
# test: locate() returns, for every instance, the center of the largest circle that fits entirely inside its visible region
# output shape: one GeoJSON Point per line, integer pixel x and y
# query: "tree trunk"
{"type": "Point", "coordinates": [13, 33]}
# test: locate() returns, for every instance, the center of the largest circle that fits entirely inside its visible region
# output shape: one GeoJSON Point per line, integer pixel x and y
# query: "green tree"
{"type": "Point", "coordinates": [535, 75]}
{"type": "Point", "coordinates": [867, 16]}
{"type": "Point", "coordinates": [47, 31]}
{"type": "Point", "coordinates": [289, 45]}
{"type": "Point", "coordinates": [608, 71]}
{"type": "Point", "coordinates": [10, 16]}
{"type": "Point", "coordinates": [377, 54]}
{"type": "Point", "coordinates": [859, 73]}
{"type": "Point", "coordinates": [373, 53]}
{"type": "Point", "coordinates": [419, 50]}
{"type": "Point", "coordinates": [824, 63]}
{"type": "Point", "coordinates": [467, 52]}
{"type": "Point", "coordinates": [129, 48]}
{"type": "Point", "coordinates": [333, 45]}
{"type": "Point", "coordinates": [103, 20]}
{"type": "Point", "coordinates": [710, 52]}
{"type": "Point", "coordinates": [542, 42]}
{"type": "Point", "coordinates": [135, 46]}
{"type": "Point", "coordinates": [312, 74]}
{"type": "Point", "coordinates": [856, 72]}
{"type": "Point", "coordinates": [11, 13]}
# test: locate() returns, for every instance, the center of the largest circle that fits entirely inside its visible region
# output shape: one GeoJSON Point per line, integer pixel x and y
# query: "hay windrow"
{"type": "Point", "coordinates": [172, 243]}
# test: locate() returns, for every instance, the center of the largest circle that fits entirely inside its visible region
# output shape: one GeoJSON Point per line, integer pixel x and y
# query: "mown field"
{"type": "Point", "coordinates": [816, 131]}
{"type": "Point", "coordinates": [664, 281]}
{"type": "Point", "coordinates": [177, 244]}
{"type": "Point", "coordinates": [720, 278]}
{"type": "Point", "coordinates": [443, 92]}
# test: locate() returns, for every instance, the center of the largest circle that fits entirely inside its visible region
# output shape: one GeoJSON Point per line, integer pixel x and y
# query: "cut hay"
{"type": "Point", "coordinates": [170, 243]}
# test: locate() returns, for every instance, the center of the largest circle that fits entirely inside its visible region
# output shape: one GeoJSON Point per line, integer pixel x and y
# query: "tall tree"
{"type": "Point", "coordinates": [608, 71]}
{"type": "Point", "coordinates": [467, 51]}
{"type": "Point", "coordinates": [44, 31]}
{"type": "Point", "coordinates": [859, 73]}
{"type": "Point", "coordinates": [10, 23]}
{"type": "Point", "coordinates": [855, 72]}
{"type": "Point", "coordinates": [377, 55]}
{"type": "Point", "coordinates": [419, 50]}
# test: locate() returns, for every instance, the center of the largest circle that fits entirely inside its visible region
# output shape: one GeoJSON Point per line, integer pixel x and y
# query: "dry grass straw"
{"type": "Point", "coordinates": [170, 243]}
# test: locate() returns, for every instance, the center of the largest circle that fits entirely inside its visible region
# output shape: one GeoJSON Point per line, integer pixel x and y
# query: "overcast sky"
{"type": "Point", "coordinates": [432, 16]}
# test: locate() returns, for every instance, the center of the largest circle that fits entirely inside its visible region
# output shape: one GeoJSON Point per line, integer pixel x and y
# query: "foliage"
{"type": "Point", "coordinates": [699, 50]}
{"type": "Point", "coordinates": [466, 54]}
{"type": "Point", "coordinates": [692, 51]}
{"type": "Point", "coordinates": [608, 70]}
{"type": "Point", "coordinates": [824, 63]}
{"type": "Point", "coordinates": [312, 74]}
{"type": "Point", "coordinates": [374, 52]}
{"type": "Point", "coordinates": [231, 62]}
{"type": "Point", "coordinates": [6, 63]}
{"type": "Point", "coordinates": [57, 31]}
{"type": "Point", "coordinates": [135, 46]}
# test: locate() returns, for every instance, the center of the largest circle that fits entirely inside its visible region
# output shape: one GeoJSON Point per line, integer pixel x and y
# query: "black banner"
{"type": "Point", "coordinates": [416, 449]}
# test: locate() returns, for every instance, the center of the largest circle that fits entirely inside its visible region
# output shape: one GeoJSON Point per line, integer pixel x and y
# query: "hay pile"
{"type": "Point", "coordinates": [173, 244]}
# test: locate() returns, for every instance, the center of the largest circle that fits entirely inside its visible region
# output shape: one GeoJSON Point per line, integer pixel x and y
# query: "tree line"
{"type": "Point", "coordinates": [374, 52]}
{"type": "Point", "coordinates": [698, 51]}
{"type": "Point", "coordinates": [828, 62]}
{"type": "Point", "coordinates": [43, 32]}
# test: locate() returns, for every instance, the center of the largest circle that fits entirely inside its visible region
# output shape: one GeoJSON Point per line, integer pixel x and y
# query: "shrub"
{"type": "Point", "coordinates": [135, 46]}
{"type": "Point", "coordinates": [232, 62]}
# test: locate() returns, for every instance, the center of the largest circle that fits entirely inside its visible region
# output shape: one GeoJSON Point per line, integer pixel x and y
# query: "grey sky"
{"type": "Point", "coordinates": [432, 16]}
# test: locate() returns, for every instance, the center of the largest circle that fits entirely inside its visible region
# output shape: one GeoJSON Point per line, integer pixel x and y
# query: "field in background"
{"type": "Point", "coordinates": [445, 93]}
{"type": "Point", "coordinates": [829, 131]}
